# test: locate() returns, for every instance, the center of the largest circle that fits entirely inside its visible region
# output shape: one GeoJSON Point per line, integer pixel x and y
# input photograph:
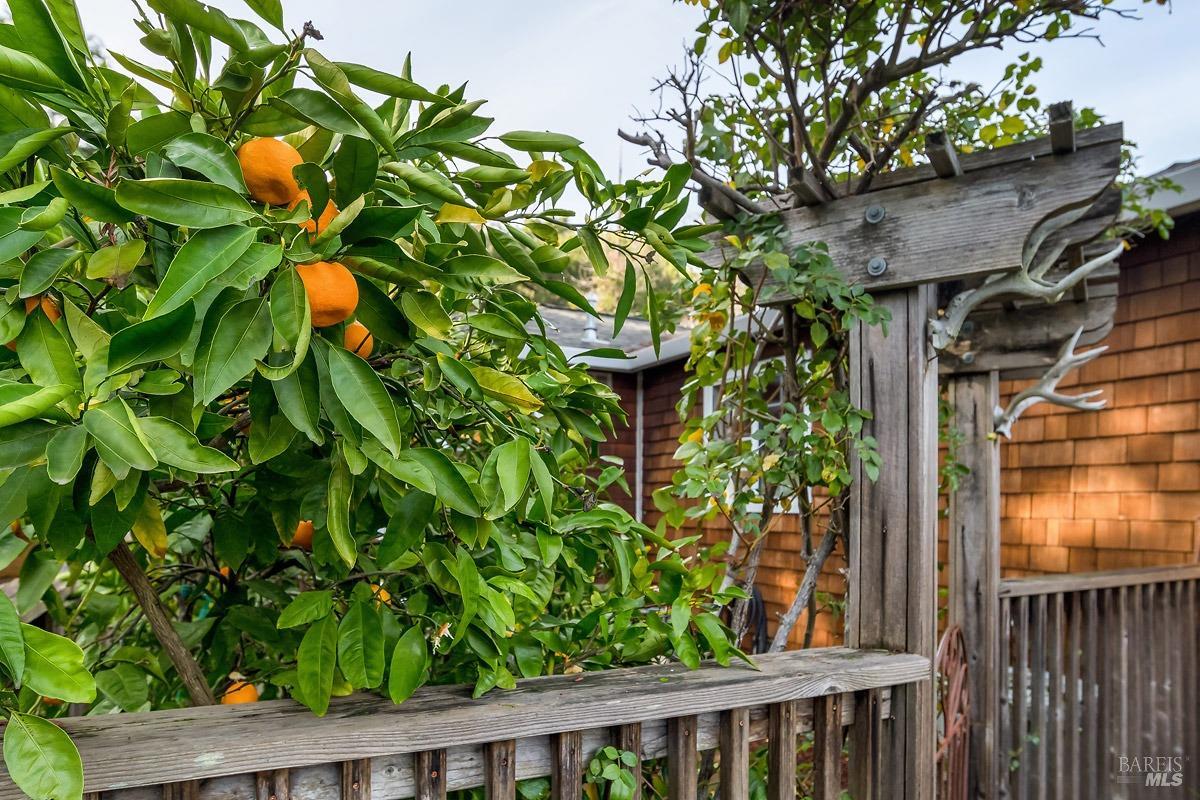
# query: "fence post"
{"type": "Point", "coordinates": [893, 527]}
{"type": "Point", "coordinates": [974, 564]}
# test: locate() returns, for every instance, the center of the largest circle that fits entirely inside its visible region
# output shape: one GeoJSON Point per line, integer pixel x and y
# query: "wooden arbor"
{"type": "Point", "coordinates": [986, 226]}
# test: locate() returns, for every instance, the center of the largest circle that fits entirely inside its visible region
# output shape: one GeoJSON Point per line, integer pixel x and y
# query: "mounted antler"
{"type": "Point", "coordinates": [1026, 282]}
{"type": "Point", "coordinates": [1045, 389]}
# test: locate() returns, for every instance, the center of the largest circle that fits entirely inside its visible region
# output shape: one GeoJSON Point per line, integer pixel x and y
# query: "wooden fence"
{"type": "Point", "coordinates": [440, 739]}
{"type": "Point", "coordinates": [1095, 668]}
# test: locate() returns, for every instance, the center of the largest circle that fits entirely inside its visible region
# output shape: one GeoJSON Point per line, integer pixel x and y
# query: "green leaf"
{"type": "Point", "coordinates": [425, 311]}
{"type": "Point", "coordinates": [337, 520]}
{"type": "Point", "coordinates": [23, 71]}
{"type": "Point", "coordinates": [117, 262]}
{"type": "Point", "coordinates": [543, 479]}
{"type": "Point", "coordinates": [43, 268]}
{"type": "Point", "coordinates": [43, 218]}
{"type": "Point", "coordinates": [202, 258]}
{"type": "Point", "coordinates": [331, 78]}
{"type": "Point", "coordinates": [375, 81]}
{"type": "Point", "coordinates": [119, 439]}
{"type": "Point", "coordinates": [316, 108]}
{"type": "Point", "coordinates": [539, 141]}
{"type": "Point", "coordinates": [594, 250]}
{"type": "Point", "coordinates": [27, 146]}
{"type": "Point", "coordinates": [154, 339]}
{"type": "Point", "coordinates": [125, 685]}
{"type": "Point", "coordinates": [307, 607]}
{"type": "Point", "coordinates": [194, 204]}
{"type": "Point", "coordinates": [12, 642]}
{"type": "Point", "coordinates": [34, 401]}
{"type": "Point", "coordinates": [298, 395]}
{"type": "Point", "coordinates": [270, 10]}
{"type": "Point", "coordinates": [355, 166]}
{"type": "Point", "coordinates": [506, 388]}
{"type": "Point", "coordinates": [54, 667]}
{"type": "Point", "coordinates": [714, 633]}
{"type": "Point", "coordinates": [90, 199]}
{"type": "Point", "coordinates": [497, 325]}
{"type": "Point", "coordinates": [625, 302]}
{"type": "Point", "coordinates": [433, 472]}
{"type": "Point", "coordinates": [41, 759]}
{"type": "Point", "coordinates": [40, 33]}
{"type": "Point", "coordinates": [512, 467]}
{"type": "Point", "coordinates": [406, 527]}
{"type": "Point", "coordinates": [205, 18]}
{"type": "Point", "coordinates": [241, 338]}
{"type": "Point", "coordinates": [360, 646]}
{"type": "Point", "coordinates": [410, 659]}
{"type": "Point", "coordinates": [177, 446]}
{"type": "Point", "coordinates": [364, 396]}
{"type": "Point", "coordinates": [46, 354]}
{"type": "Point", "coordinates": [14, 240]}
{"type": "Point", "coordinates": [209, 156]}
{"type": "Point", "coordinates": [315, 662]}
{"type": "Point", "coordinates": [150, 133]}
{"type": "Point", "coordinates": [65, 452]}
{"type": "Point", "coordinates": [24, 443]}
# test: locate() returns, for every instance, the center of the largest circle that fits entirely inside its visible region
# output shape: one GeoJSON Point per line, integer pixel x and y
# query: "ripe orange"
{"type": "Point", "coordinates": [358, 339]}
{"type": "Point", "coordinates": [225, 572]}
{"type": "Point", "coordinates": [48, 306]}
{"type": "Point", "coordinates": [239, 692]}
{"type": "Point", "coordinates": [267, 167]}
{"type": "Point", "coordinates": [380, 594]}
{"type": "Point", "coordinates": [303, 536]}
{"type": "Point", "coordinates": [321, 222]}
{"type": "Point", "coordinates": [332, 292]}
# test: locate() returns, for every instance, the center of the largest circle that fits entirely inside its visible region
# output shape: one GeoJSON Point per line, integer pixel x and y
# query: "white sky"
{"type": "Point", "coordinates": [582, 66]}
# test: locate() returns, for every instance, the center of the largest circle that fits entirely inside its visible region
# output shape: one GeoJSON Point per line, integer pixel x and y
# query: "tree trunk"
{"type": "Point", "coordinates": [160, 623]}
{"type": "Point", "coordinates": [807, 589]}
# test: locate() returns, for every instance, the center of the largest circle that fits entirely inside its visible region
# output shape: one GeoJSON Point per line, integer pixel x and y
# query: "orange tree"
{"type": "Point", "coordinates": [277, 417]}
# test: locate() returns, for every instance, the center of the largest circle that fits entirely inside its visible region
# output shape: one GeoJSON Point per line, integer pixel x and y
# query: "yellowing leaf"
{"type": "Point", "coordinates": [541, 167]}
{"type": "Point", "coordinates": [149, 530]}
{"type": "Point", "coordinates": [505, 388]}
{"type": "Point", "coordinates": [453, 213]}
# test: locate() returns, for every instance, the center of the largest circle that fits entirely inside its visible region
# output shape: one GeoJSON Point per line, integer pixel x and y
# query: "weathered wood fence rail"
{"type": "Point", "coordinates": [440, 739]}
{"type": "Point", "coordinates": [1093, 668]}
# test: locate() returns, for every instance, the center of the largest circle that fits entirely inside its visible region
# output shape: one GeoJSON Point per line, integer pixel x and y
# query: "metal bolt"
{"type": "Point", "coordinates": [877, 266]}
{"type": "Point", "coordinates": [968, 357]}
{"type": "Point", "coordinates": [875, 214]}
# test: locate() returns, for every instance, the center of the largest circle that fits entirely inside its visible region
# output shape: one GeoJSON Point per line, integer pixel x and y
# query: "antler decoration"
{"type": "Point", "coordinates": [1045, 390]}
{"type": "Point", "coordinates": [1030, 280]}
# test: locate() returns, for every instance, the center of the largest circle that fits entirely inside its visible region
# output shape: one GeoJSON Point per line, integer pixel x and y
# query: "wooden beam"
{"type": "Point", "coordinates": [806, 187]}
{"type": "Point", "coordinates": [892, 598]}
{"type": "Point", "coordinates": [974, 565]}
{"type": "Point", "coordinates": [1025, 340]}
{"type": "Point", "coordinates": [1062, 127]}
{"type": "Point", "coordinates": [941, 230]}
{"type": "Point", "coordinates": [1091, 581]}
{"type": "Point", "coordinates": [942, 155]}
{"type": "Point", "coordinates": [209, 742]}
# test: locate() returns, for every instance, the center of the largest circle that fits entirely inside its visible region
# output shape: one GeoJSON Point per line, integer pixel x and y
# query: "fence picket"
{"type": "Point", "coordinates": [781, 751]}
{"type": "Point", "coordinates": [566, 782]}
{"type": "Point", "coordinates": [827, 747]}
{"type": "Point", "coordinates": [629, 739]}
{"type": "Point", "coordinates": [429, 773]}
{"type": "Point", "coordinates": [735, 754]}
{"type": "Point", "coordinates": [500, 780]}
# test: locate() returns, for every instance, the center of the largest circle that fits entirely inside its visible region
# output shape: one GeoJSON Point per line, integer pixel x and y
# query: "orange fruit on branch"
{"type": "Point", "coordinates": [48, 306]}
{"type": "Point", "coordinates": [317, 223]}
{"type": "Point", "coordinates": [267, 168]}
{"type": "Point", "coordinates": [380, 594]}
{"type": "Point", "coordinates": [332, 292]}
{"type": "Point", "coordinates": [239, 692]}
{"type": "Point", "coordinates": [303, 536]}
{"type": "Point", "coordinates": [358, 339]}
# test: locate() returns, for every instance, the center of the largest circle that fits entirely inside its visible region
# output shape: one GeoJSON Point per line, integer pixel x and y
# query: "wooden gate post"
{"type": "Point", "coordinates": [974, 564]}
{"type": "Point", "coordinates": [893, 529]}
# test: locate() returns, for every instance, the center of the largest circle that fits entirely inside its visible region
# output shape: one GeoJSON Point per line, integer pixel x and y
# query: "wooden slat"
{"type": "Point", "coordinates": [273, 785]}
{"type": "Point", "coordinates": [735, 754]}
{"type": "Point", "coordinates": [1004, 702]}
{"type": "Point", "coordinates": [827, 747]}
{"type": "Point", "coordinates": [566, 782]}
{"type": "Point", "coordinates": [501, 765]}
{"type": "Point", "coordinates": [1191, 666]}
{"type": "Point", "coordinates": [974, 561]}
{"type": "Point", "coordinates": [181, 790]}
{"type": "Point", "coordinates": [1049, 584]}
{"type": "Point", "coordinates": [1091, 635]}
{"type": "Point", "coordinates": [1062, 127]}
{"type": "Point", "coordinates": [209, 742]}
{"type": "Point", "coordinates": [1037, 662]}
{"type": "Point", "coordinates": [1177, 622]}
{"type": "Point", "coordinates": [356, 779]}
{"type": "Point", "coordinates": [942, 155]}
{"type": "Point", "coordinates": [1054, 669]}
{"type": "Point", "coordinates": [1073, 696]}
{"type": "Point", "coordinates": [429, 774]}
{"type": "Point", "coordinates": [682, 758]}
{"type": "Point", "coordinates": [865, 753]}
{"type": "Point", "coordinates": [781, 752]}
{"type": "Point", "coordinates": [1020, 731]}
{"type": "Point", "coordinates": [629, 739]}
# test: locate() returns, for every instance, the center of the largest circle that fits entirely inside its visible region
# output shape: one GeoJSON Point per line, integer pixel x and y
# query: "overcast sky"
{"type": "Point", "coordinates": [582, 66]}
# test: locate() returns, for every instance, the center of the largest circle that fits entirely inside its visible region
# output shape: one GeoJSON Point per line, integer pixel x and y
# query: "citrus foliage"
{"type": "Point", "coordinates": [268, 314]}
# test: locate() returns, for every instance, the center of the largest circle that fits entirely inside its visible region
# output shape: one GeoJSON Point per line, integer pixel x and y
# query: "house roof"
{"type": "Point", "coordinates": [1187, 175]}
{"type": "Point", "coordinates": [577, 331]}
